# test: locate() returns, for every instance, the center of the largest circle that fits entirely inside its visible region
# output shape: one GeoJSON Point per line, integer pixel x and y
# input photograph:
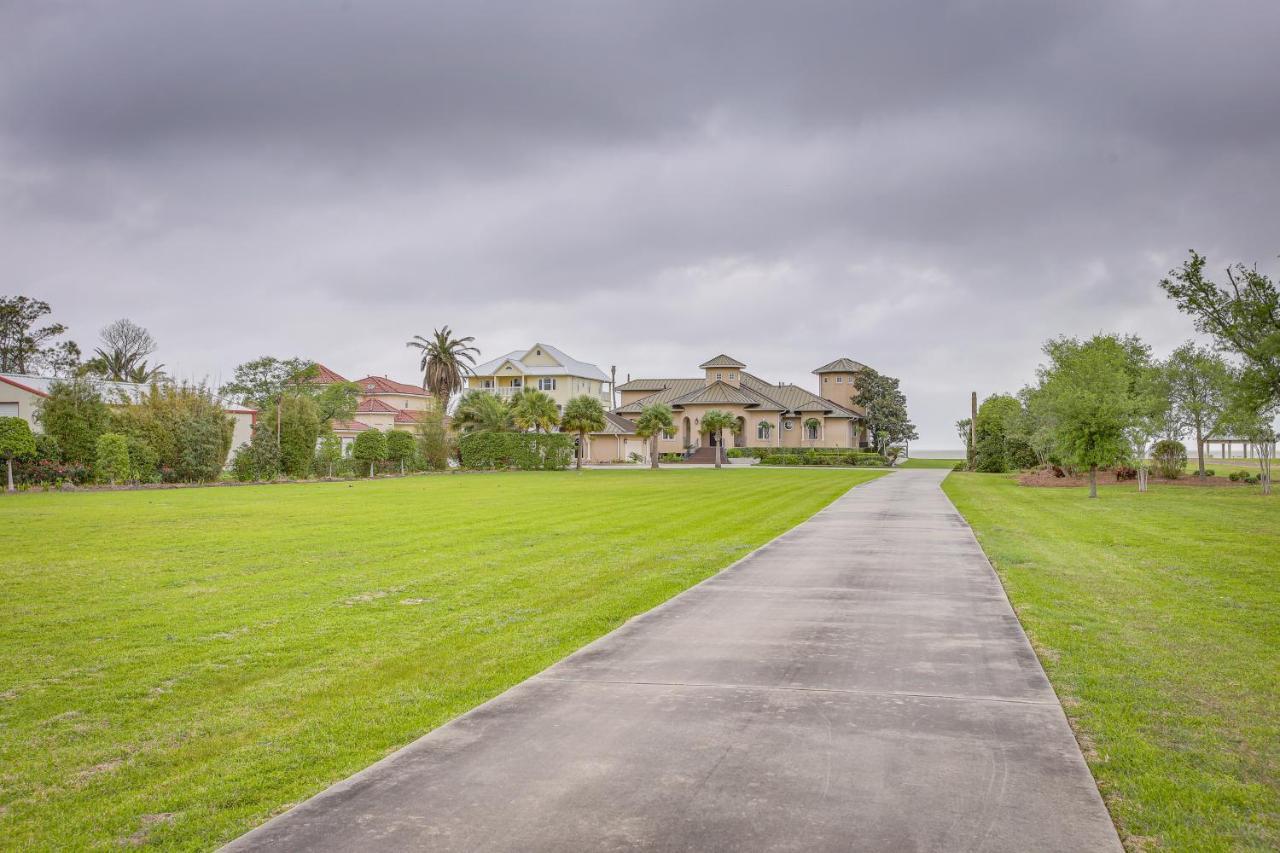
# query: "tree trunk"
{"type": "Point", "coordinates": [582, 448]}
{"type": "Point", "coordinates": [401, 467]}
{"type": "Point", "coordinates": [9, 465]}
{"type": "Point", "coordinates": [1093, 481]}
{"type": "Point", "coordinates": [653, 451]}
{"type": "Point", "coordinates": [1200, 451]}
{"type": "Point", "coordinates": [370, 469]}
{"type": "Point", "coordinates": [719, 446]}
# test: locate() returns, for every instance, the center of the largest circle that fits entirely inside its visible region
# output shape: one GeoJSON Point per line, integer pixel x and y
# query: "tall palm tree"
{"type": "Point", "coordinates": [445, 360]}
{"type": "Point", "coordinates": [532, 409]}
{"type": "Point", "coordinates": [716, 422]}
{"type": "Point", "coordinates": [582, 415]}
{"type": "Point", "coordinates": [653, 421]}
{"type": "Point", "coordinates": [481, 412]}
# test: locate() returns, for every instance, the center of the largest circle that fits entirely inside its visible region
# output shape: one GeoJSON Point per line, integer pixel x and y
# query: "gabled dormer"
{"type": "Point", "coordinates": [724, 369]}
{"type": "Point", "coordinates": [540, 355]}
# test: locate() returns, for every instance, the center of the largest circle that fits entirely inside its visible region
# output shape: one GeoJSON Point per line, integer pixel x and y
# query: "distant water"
{"type": "Point", "coordinates": [925, 453]}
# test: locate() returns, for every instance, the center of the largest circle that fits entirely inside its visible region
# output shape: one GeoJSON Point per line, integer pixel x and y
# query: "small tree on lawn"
{"type": "Point", "coordinates": [112, 462]}
{"type": "Point", "coordinates": [434, 441]}
{"type": "Point", "coordinates": [75, 414]}
{"type": "Point", "coordinates": [1200, 383]}
{"type": "Point", "coordinates": [16, 442]}
{"type": "Point", "coordinates": [1251, 415]}
{"type": "Point", "coordinates": [715, 422]}
{"type": "Point", "coordinates": [582, 415]}
{"type": "Point", "coordinates": [653, 421]}
{"type": "Point", "coordinates": [1092, 393]}
{"type": "Point", "coordinates": [328, 452]}
{"type": "Point", "coordinates": [532, 409]}
{"type": "Point", "coordinates": [399, 447]}
{"type": "Point", "coordinates": [371, 447]}
{"type": "Point", "coordinates": [886, 409]}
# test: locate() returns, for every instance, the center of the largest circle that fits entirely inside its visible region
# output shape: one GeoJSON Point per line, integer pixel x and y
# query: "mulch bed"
{"type": "Point", "coordinates": [1044, 478]}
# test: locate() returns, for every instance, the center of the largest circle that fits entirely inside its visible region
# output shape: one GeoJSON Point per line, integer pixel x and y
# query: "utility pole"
{"type": "Point", "coordinates": [613, 386]}
{"type": "Point", "coordinates": [973, 428]}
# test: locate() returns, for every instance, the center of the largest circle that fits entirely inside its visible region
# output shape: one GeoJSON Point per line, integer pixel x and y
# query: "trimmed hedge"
{"type": "Point", "coordinates": [851, 458]}
{"type": "Point", "coordinates": [524, 451]}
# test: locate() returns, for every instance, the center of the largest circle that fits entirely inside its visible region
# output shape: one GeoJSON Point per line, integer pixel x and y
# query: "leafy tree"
{"type": "Point", "coordinates": [445, 360]}
{"type": "Point", "coordinates": [962, 429]}
{"type": "Point", "coordinates": [715, 422]}
{"type": "Point", "coordinates": [1093, 393]}
{"type": "Point", "coordinates": [1243, 317]}
{"type": "Point", "coordinates": [328, 452]}
{"type": "Point", "coordinates": [532, 409]}
{"type": "Point", "coordinates": [371, 447]}
{"type": "Point", "coordinates": [16, 442]}
{"type": "Point", "coordinates": [886, 409]}
{"type": "Point", "coordinates": [654, 420]}
{"type": "Point", "coordinates": [479, 411]}
{"type": "Point", "coordinates": [112, 461]}
{"type": "Point", "coordinates": [75, 415]}
{"type": "Point", "coordinates": [337, 401]}
{"type": "Point", "coordinates": [582, 415]}
{"type": "Point", "coordinates": [1200, 384]}
{"type": "Point", "coordinates": [998, 419]}
{"type": "Point", "coordinates": [1251, 414]}
{"type": "Point", "coordinates": [399, 448]}
{"type": "Point", "coordinates": [123, 354]}
{"type": "Point", "coordinates": [434, 442]}
{"type": "Point", "coordinates": [27, 349]}
{"type": "Point", "coordinates": [299, 430]}
{"type": "Point", "coordinates": [47, 447]}
{"type": "Point", "coordinates": [259, 383]}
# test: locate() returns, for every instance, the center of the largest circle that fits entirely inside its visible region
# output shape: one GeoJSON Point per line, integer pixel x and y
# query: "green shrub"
{"type": "Point", "coordinates": [524, 451]}
{"type": "Point", "coordinates": [370, 448]}
{"type": "Point", "coordinates": [185, 426]}
{"type": "Point", "coordinates": [259, 458]}
{"type": "Point", "coordinates": [299, 431]}
{"type": "Point", "coordinates": [824, 457]}
{"type": "Point", "coordinates": [16, 443]}
{"type": "Point", "coordinates": [1169, 458]}
{"type": "Point", "coordinates": [400, 449]}
{"type": "Point", "coordinates": [112, 458]}
{"type": "Point", "coordinates": [75, 415]}
{"type": "Point", "coordinates": [1208, 472]}
{"type": "Point", "coordinates": [144, 462]}
{"type": "Point", "coordinates": [47, 448]}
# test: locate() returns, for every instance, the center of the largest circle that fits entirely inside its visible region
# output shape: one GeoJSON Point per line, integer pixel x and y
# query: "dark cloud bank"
{"type": "Point", "coordinates": [931, 188]}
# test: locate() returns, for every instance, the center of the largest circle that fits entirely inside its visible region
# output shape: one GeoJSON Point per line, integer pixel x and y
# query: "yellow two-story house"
{"type": "Point", "coordinates": [545, 368]}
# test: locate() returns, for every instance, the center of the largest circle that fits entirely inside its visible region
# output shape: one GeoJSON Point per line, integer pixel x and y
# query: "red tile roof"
{"type": "Point", "coordinates": [408, 416]}
{"type": "Point", "coordinates": [325, 376]}
{"type": "Point", "coordinates": [383, 385]}
{"type": "Point", "coordinates": [350, 426]}
{"type": "Point", "coordinates": [372, 405]}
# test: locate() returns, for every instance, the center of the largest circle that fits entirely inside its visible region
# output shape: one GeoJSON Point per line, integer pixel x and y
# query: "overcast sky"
{"type": "Point", "coordinates": [933, 189]}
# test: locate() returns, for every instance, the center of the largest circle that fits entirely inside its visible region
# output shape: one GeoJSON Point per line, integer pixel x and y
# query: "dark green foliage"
{"type": "Point", "coordinates": [525, 451]}
{"type": "Point", "coordinates": [299, 431]}
{"type": "Point", "coordinates": [400, 449]}
{"type": "Point", "coordinates": [185, 426]}
{"type": "Point", "coordinates": [997, 421]}
{"type": "Point", "coordinates": [47, 447]}
{"type": "Point", "coordinates": [75, 415]}
{"type": "Point", "coordinates": [16, 442]}
{"type": "Point", "coordinates": [259, 383]}
{"type": "Point", "coordinates": [112, 458]}
{"type": "Point", "coordinates": [259, 459]}
{"type": "Point", "coordinates": [370, 448]}
{"type": "Point", "coordinates": [1242, 476]}
{"type": "Point", "coordinates": [328, 455]}
{"type": "Point", "coordinates": [1169, 458]}
{"type": "Point", "coordinates": [886, 420]}
{"type": "Point", "coordinates": [435, 443]}
{"type": "Point", "coordinates": [27, 349]}
{"type": "Point", "coordinates": [144, 463]}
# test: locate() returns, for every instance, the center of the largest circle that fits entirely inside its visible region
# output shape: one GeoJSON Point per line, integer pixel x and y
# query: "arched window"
{"type": "Point", "coordinates": [811, 431]}
{"type": "Point", "coordinates": [763, 429]}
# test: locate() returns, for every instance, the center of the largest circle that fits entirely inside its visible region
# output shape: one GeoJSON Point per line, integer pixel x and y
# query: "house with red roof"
{"type": "Point", "coordinates": [385, 404]}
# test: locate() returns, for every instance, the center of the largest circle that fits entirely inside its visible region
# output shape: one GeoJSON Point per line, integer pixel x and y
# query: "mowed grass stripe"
{"type": "Point", "coordinates": [179, 665]}
{"type": "Point", "coordinates": [1157, 617]}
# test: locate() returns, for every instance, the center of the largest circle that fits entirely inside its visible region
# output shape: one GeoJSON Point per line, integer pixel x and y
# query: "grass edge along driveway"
{"type": "Point", "coordinates": [178, 666]}
{"type": "Point", "coordinates": [1157, 619]}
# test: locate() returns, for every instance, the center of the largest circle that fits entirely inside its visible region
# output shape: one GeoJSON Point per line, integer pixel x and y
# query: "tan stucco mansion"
{"type": "Point", "coordinates": [769, 414]}
{"type": "Point", "coordinates": [385, 404]}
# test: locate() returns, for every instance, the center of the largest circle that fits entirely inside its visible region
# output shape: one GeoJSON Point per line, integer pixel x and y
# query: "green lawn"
{"type": "Point", "coordinates": [177, 666]}
{"type": "Point", "coordinates": [929, 463]}
{"type": "Point", "coordinates": [1157, 617]}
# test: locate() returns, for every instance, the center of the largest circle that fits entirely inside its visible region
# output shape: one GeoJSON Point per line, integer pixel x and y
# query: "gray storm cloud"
{"type": "Point", "coordinates": [933, 189]}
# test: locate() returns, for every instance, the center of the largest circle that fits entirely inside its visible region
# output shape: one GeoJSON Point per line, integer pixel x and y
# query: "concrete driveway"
{"type": "Point", "coordinates": [859, 683]}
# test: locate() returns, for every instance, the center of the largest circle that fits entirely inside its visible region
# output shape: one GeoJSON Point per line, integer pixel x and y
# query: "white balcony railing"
{"type": "Point", "coordinates": [507, 391]}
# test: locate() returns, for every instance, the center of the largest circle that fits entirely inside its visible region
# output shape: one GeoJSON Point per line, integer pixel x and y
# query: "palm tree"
{"type": "Point", "coordinates": [716, 421]}
{"type": "Point", "coordinates": [481, 412]}
{"type": "Point", "coordinates": [445, 360]}
{"type": "Point", "coordinates": [532, 409]}
{"type": "Point", "coordinates": [122, 356]}
{"type": "Point", "coordinates": [654, 419]}
{"type": "Point", "coordinates": [582, 415]}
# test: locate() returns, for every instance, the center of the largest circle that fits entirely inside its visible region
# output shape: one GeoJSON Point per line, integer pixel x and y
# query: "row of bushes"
{"type": "Point", "coordinates": [851, 458]}
{"type": "Point", "coordinates": [762, 452]}
{"type": "Point", "coordinates": [523, 451]}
